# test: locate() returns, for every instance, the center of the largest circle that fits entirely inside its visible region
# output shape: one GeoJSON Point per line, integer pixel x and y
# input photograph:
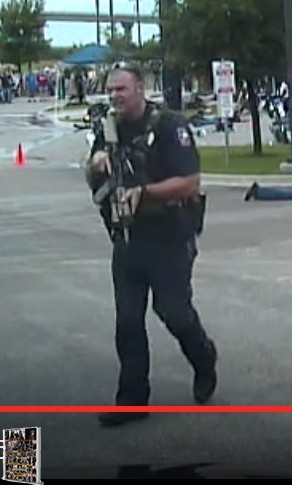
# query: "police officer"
{"type": "Point", "coordinates": [161, 249]}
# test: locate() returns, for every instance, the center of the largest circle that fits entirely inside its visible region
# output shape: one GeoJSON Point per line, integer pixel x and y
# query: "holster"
{"type": "Point", "coordinates": [195, 212]}
{"type": "Point", "coordinates": [106, 215]}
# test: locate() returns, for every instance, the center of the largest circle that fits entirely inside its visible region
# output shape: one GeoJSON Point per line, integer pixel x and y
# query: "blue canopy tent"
{"type": "Point", "coordinates": [89, 55]}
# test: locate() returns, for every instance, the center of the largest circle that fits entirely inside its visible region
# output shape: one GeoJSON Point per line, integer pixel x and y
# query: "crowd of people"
{"type": "Point", "coordinates": [73, 84]}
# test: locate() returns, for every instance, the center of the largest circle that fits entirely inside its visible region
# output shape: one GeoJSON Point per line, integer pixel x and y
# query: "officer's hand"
{"type": "Point", "coordinates": [133, 198]}
{"type": "Point", "coordinates": [97, 169]}
{"type": "Point", "coordinates": [100, 162]}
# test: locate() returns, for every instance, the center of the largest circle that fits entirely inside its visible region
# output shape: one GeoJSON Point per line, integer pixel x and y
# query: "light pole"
{"type": "Point", "coordinates": [111, 13]}
{"type": "Point", "coordinates": [97, 22]}
{"type": "Point", "coordinates": [139, 23]}
{"type": "Point", "coordinates": [288, 39]}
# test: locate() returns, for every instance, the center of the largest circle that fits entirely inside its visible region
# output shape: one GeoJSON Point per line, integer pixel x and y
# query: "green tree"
{"type": "Point", "coordinates": [249, 32]}
{"type": "Point", "coordinates": [151, 49]}
{"type": "Point", "coordinates": [128, 28]}
{"type": "Point", "coordinates": [55, 53]}
{"type": "Point", "coordinates": [22, 31]}
{"type": "Point", "coordinates": [120, 44]}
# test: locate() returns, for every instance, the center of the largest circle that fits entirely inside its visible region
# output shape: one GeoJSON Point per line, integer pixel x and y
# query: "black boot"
{"type": "Point", "coordinates": [118, 419]}
{"type": "Point", "coordinates": [205, 381]}
{"type": "Point", "coordinates": [251, 192]}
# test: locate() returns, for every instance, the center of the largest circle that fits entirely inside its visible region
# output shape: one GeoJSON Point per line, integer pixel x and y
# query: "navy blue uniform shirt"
{"type": "Point", "coordinates": [173, 154]}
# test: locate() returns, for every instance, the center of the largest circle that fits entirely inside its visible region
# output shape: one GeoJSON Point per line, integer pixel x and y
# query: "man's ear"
{"type": "Point", "coordinates": [140, 87]}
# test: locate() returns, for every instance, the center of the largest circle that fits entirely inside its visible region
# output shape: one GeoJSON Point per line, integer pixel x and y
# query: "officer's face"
{"type": "Point", "coordinates": [125, 90]}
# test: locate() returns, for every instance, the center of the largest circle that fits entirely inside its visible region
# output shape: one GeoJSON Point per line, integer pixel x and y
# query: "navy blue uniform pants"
{"type": "Point", "coordinates": [273, 193]}
{"type": "Point", "coordinates": [137, 269]}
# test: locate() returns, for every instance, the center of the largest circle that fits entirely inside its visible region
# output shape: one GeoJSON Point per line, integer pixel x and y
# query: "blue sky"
{"type": "Point", "coordinates": [63, 33]}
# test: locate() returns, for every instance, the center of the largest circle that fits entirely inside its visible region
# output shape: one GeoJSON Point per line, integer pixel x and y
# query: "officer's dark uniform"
{"type": "Point", "coordinates": [159, 257]}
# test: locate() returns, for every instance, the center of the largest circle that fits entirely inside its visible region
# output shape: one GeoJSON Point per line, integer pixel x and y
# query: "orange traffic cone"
{"type": "Point", "coordinates": [20, 160]}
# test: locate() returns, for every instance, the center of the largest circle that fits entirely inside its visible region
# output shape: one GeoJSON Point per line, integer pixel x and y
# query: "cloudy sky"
{"type": "Point", "coordinates": [63, 33]}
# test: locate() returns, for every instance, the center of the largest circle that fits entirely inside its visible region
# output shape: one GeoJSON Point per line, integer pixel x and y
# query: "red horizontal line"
{"type": "Point", "coordinates": [151, 409]}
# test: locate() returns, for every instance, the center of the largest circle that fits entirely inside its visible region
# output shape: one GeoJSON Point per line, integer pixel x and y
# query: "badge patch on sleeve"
{"type": "Point", "coordinates": [184, 137]}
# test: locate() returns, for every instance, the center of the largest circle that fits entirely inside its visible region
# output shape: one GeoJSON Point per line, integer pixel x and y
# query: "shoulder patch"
{"type": "Point", "coordinates": [183, 136]}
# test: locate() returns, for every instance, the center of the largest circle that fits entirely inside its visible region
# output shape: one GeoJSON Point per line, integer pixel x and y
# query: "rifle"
{"type": "Point", "coordinates": [117, 215]}
{"type": "Point", "coordinates": [114, 186]}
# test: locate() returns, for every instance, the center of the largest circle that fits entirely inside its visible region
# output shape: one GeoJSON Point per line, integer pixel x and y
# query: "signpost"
{"type": "Point", "coordinates": [288, 43]}
{"type": "Point", "coordinates": [224, 88]}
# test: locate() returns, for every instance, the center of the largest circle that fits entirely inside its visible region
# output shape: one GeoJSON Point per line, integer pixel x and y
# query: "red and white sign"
{"type": "Point", "coordinates": [224, 87]}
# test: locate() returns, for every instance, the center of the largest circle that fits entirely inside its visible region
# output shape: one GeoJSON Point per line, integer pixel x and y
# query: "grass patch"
{"type": "Point", "coordinates": [243, 161]}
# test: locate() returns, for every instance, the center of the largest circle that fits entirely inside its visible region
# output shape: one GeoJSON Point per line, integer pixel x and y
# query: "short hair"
{"type": "Point", "coordinates": [130, 67]}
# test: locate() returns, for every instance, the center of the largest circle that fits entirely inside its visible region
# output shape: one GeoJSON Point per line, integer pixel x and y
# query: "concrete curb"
{"type": "Point", "coordinates": [245, 181]}
{"type": "Point", "coordinates": [53, 117]}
